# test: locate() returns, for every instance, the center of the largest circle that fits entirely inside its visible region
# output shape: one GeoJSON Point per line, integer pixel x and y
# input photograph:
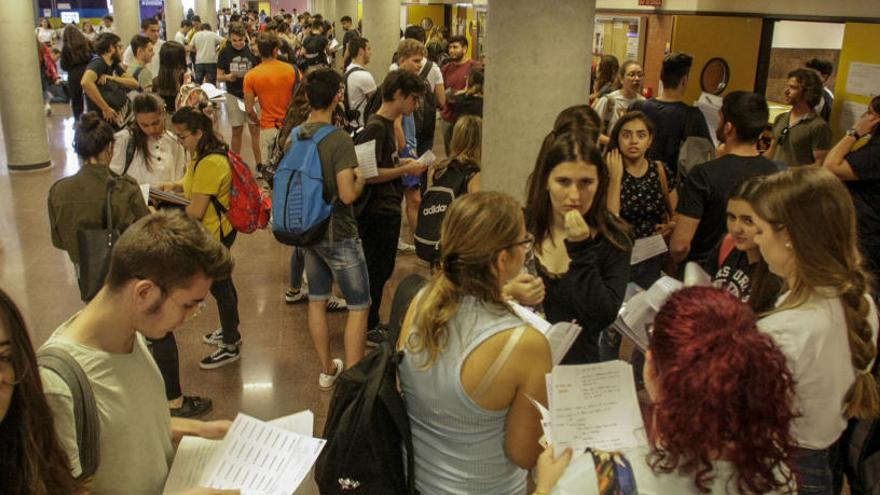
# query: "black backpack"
{"type": "Point", "coordinates": [367, 431]}
{"type": "Point", "coordinates": [352, 114]}
{"type": "Point", "coordinates": [438, 195]}
{"type": "Point", "coordinates": [426, 114]}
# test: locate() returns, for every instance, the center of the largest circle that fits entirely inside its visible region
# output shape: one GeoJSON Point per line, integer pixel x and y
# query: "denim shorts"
{"type": "Point", "coordinates": [343, 261]}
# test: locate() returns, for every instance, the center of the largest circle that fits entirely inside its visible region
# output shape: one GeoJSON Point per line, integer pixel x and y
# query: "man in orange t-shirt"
{"type": "Point", "coordinates": [272, 83]}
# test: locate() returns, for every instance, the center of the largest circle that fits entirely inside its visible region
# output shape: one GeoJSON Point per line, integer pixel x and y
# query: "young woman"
{"type": "Point", "coordinates": [720, 423]}
{"type": "Point", "coordinates": [577, 117]}
{"type": "Point", "coordinates": [582, 250]}
{"type": "Point", "coordinates": [88, 30]}
{"type": "Point", "coordinates": [45, 34]}
{"type": "Point", "coordinates": [470, 101]}
{"type": "Point", "coordinates": [607, 77]}
{"type": "Point", "coordinates": [172, 73]}
{"type": "Point", "coordinates": [48, 73]}
{"type": "Point", "coordinates": [736, 263]}
{"type": "Point", "coordinates": [457, 330]}
{"type": "Point", "coordinates": [639, 189]}
{"type": "Point", "coordinates": [32, 460]}
{"type": "Point", "coordinates": [76, 54]}
{"type": "Point", "coordinates": [616, 103]}
{"type": "Point", "coordinates": [826, 322]}
{"type": "Point", "coordinates": [207, 182]}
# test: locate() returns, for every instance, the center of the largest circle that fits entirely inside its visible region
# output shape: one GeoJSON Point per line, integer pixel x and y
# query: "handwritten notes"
{"type": "Point", "coordinates": [366, 155]}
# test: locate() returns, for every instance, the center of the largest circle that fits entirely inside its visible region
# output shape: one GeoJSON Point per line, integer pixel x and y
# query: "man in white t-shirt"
{"type": "Point", "coordinates": [359, 83]}
{"type": "Point", "coordinates": [150, 29]}
{"type": "Point", "coordinates": [181, 35]}
{"type": "Point", "coordinates": [162, 268]}
{"type": "Point", "coordinates": [204, 43]}
{"type": "Point", "coordinates": [106, 25]}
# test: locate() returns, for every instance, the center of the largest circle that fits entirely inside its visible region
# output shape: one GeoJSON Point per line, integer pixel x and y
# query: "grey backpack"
{"type": "Point", "coordinates": [694, 149]}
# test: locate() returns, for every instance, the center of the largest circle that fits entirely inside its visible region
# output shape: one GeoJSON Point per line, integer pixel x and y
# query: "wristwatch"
{"type": "Point", "coordinates": [853, 133]}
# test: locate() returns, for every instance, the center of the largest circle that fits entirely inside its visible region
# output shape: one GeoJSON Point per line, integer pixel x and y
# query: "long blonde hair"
{"type": "Point", "coordinates": [466, 144]}
{"type": "Point", "coordinates": [798, 200]}
{"type": "Point", "coordinates": [476, 229]}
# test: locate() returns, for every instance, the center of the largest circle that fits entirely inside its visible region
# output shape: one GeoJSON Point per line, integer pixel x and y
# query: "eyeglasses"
{"type": "Point", "coordinates": [527, 243]}
{"type": "Point", "coordinates": [7, 371]}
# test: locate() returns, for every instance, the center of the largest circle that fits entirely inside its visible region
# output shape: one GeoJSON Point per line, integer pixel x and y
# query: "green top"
{"type": "Point", "coordinates": [808, 134]}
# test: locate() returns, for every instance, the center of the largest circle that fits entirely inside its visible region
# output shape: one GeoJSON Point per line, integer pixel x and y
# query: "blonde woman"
{"type": "Point", "coordinates": [470, 364]}
{"type": "Point", "coordinates": [826, 323]}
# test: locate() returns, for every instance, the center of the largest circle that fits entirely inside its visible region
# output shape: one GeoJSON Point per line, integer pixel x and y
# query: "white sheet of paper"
{"type": "Point", "coordinates": [850, 112]}
{"type": "Point", "coordinates": [546, 423]}
{"type": "Point", "coordinates": [212, 91]}
{"type": "Point", "coordinates": [646, 248]}
{"type": "Point", "coordinates": [863, 79]}
{"type": "Point", "coordinates": [261, 459]}
{"type": "Point", "coordinates": [595, 405]}
{"type": "Point", "coordinates": [145, 192]}
{"type": "Point", "coordinates": [530, 317]}
{"type": "Point", "coordinates": [560, 336]}
{"type": "Point", "coordinates": [301, 423]}
{"type": "Point", "coordinates": [366, 155]}
{"type": "Point", "coordinates": [334, 43]}
{"type": "Point", "coordinates": [694, 275]}
{"type": "Point", "coordinates": [428, 158]}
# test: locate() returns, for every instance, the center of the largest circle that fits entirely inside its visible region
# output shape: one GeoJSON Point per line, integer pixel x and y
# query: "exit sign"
{"type": "Point", "coordinates": [651, 3]}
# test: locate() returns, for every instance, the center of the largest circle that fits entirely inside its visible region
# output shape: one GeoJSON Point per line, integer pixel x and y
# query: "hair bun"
{"type": "Point", "coordinates": [89, 121]}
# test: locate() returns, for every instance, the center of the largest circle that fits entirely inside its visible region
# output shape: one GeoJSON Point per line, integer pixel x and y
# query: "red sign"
{"type": "Point", "coordinates": [651, 3]}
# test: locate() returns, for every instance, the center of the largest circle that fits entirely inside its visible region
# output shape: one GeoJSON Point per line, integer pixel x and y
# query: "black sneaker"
{"type": "Point", "coordinates": [380, 333]}
{"type": "Point", "coordinates": [224, 355]}
{"type": "Point", "coordinates": [192, 407]}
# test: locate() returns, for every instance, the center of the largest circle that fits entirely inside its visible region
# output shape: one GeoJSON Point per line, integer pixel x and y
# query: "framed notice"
{"type": "Point", "coordinates": [863, 79]}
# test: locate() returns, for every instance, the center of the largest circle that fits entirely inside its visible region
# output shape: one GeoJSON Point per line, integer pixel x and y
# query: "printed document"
{"type": "Point", "coordinates": [366, 155]}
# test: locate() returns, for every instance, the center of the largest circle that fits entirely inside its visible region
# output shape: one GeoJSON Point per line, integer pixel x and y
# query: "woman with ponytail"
{"type": "Point", "coordinates": [826, 322]}
{"type": "Point", "coordinates": [470, 364]}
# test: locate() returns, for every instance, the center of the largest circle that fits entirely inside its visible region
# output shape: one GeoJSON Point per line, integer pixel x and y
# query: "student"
{"type": "Point", "coordinates": [45, 34]}
{"type": "Point", "coordinates": [181, 35]}
{"type": "Point", "coordinates": [607, 77]}
{"type": "Point", "coordinates": [349, 33]}
{"type": "Point", "coordinates": [613, 105]}
{"type": "Point", "coordinates": [379, 223]}
{"type": "Point", "coordinates": [149, 29]}
{"type": "Point", "coordinates": [735, 264]}
{"type": "Point", "coordinates": [88, 30]}
{"type": "Point", "coordinates": [704, 345]}
{"type": "Point", "coordinates": [455, 79]}
{"type": "Point", "coordinates": [452, 338]}
{"type": "Point", "coordinates": [159, 275]}
{"type": "Point", "coordinates": [470, 101]}
{"type": "Point", "coordinates": [359, 83]}
{"type": "Point", "coordinates": [639, 190]}
{"type": "Point", "coordinates": [825, 69]}
{"type": "Point", "coordinates": [234, 62]}
{"type": "Point", "coordinates": [172, 73]}
{"type": "Point", "coordinates": [103, 68]}
{"type": "Point", "coordinates": [207, 182]}
{"type": "Point", "coordinates": [106, 25]}
{"type": "Point", "coordinates": [139, 69]}
{"type": "Point", "coordinates": [828, 291]}
{"type": "Point", "coordinates": [701, 209]}
{"type": "Point", "coordinates": [859, 169]}
{"type": "Point", "coordinates": [582, 250]}
{"type": "Point", "coordinates": [33, 461]}
{"type": "Point", "coordinates": [76, 53]}
{"type": "Point", "coordinates": [157, 156]}
{"type": "Point", "coordinates": [800, 136]}
{"type": "Point", "coordinates": [204, 45]}
{"type": "Point", "coordinates": [339, 256]}
{"type": "Point", "coordinates": [464, 151]}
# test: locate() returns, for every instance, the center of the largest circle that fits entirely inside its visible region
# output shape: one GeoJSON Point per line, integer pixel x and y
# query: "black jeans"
{"type": "Point", "coordinates": [379, 235]}
{"type": "Point", "coordinates": [76, 91]}
{"type": "Point", "coordinates": [227, 301]}
{"type": "Point", "coordinates": [164, 352]}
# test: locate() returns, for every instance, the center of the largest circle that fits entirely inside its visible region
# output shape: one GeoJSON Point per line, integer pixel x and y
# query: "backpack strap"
{"type": "Point", "coordinates": [426, 70]}
{"type": "Point", "coordinates": [493, 370]}
{"type": "Point", "coordinates": [85, 409]}
{"type": "Point", "coordinates": [218, 206]}
{"type": "Point", "coordinates": [346, 101]}
{"type": "Point", "coordinates": [129, 152]}
{"type": "Point", "coordinates": [136, 73]}
{"type": "Point", "coordinates": [664, 187]}
{"type": "Point", "coordinates": [727, 245]}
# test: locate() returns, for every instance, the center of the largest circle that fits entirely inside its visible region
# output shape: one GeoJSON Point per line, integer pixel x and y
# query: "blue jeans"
{"type": "Point", "coordinates": [812, 471]}
{"type": "Point", "coordinates": [205, 72]}
{"type": "Point", "coordinates": [342, 260]}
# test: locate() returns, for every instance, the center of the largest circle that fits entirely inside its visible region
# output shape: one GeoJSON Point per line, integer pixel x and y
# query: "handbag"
{"type": "Point", "coordinates": [95, 246]}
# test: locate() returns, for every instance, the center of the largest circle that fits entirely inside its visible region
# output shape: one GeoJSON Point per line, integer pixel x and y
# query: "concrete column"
{"type": "Point", "coordinates": [382, 28]}
{"type": "Point", "coordinates": [126, 19]}
{"type": "Point", "coordinates": [529, 80]}
{"type": "Point", "coordinates": [21, 102]}
{"type": "Point", "coordinates": [174, 15]}
{"type": "Point", "coordinates": [207, 10]}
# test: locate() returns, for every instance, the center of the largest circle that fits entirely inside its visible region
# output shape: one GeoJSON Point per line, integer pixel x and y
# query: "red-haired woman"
{"type": "Point", "coordinates": [721, 424]}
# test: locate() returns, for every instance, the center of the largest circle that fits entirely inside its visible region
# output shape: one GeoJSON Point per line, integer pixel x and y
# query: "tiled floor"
{"type": "Point", "coordinates": [277, 374]}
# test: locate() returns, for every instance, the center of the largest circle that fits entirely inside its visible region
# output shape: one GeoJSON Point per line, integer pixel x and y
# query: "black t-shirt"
{"type": "Point", "coordinates": [670, 121]}
{"type": "Point", "coordinates": [385, 197]}
{"type": "Point", "coordinates": [734, 274]}
{"type": "Point", "coordinates": [348, 36]}
{"type": "Point", "coordinates": [100, 68]}
{"type": "Point", "coordinates": [704, 192]}
{"type": "Point", "coordinates": [865, 191]}
{"type": "Point", "coordinates": [237, 62]}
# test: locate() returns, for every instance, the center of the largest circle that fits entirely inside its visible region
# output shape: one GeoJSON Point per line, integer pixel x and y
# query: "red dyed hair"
{"type": "Point", "coordinates": [724, 388]}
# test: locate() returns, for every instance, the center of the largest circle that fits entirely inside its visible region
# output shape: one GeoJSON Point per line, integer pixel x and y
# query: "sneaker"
{"type": "Point", "coordinates": [377, 335]}
{"type": "Point", "coordinates": [224, 355]}
{"type": "Point", "coordinates": [192, 407]}
{"type": "Point", "coordinates": [48, 109]}
{"type": "Point", "coordinates": [325, 382]}
{"type": "Point", "coordinates": [336, 304]}
{"type": "Point", "coordinates": [213, 338]}
{"type": "Point", "coordinates": [403, 247]}
{"type": "Point", "coordinates": [295, 296]}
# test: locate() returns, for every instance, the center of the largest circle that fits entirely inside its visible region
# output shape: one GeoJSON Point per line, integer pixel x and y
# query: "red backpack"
{"type": "Point", "coordinates": [249, 206]}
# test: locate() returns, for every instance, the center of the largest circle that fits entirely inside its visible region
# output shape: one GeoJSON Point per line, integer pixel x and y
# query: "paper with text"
{"type": "Point", "coordinates": [863, 79]}
{"type": "Point", "coordinates": [546, 423]}
{"type": "Point", "coordinates": [595, 405]}
{"type": "Point", "coordinates": [428, 158]}
{"type": "Point", "coordinates": [213, 92]}
{"type": "Point", "coordinates": [560, 336]}
{"type": "Point", "coordinates": [366, 155]}
{"type": "Point", "coordinates": [646, 248]}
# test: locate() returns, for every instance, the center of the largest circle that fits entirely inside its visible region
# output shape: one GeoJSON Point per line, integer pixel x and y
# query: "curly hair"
{"type": "Point", "coordinates": [723, 387]}
{"type": "Point", "coordinates": [810, 84]}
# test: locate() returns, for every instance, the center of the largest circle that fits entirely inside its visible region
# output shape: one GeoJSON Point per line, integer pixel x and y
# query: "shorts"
{"type": "Point", "coordinates": [234, 113]}
{"type": "Point", "coordinates": [343, 261]}
{"type": "Point", "coordinates": [266, 138]}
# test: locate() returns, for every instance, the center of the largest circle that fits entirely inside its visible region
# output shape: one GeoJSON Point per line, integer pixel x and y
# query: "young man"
{"type": "Point", "coordinates": [379, 224]}
{"type": "Point", "coordinates": [348, 33]}
{"type": "Point", "coordinates": [204, 44]}
{"type": "Point", "coordinates": [150, 29]}
{"type": "Point", "coordinates": [455, 78]}
{"type": "Point", "coordinates": [825, 69]}
{"type": "Point", "coordinates": [234, 61]}
{"type": "Point", "coordinates": [185, 27]}
{"type": "Point", "coordinates": [139, 69]}
{"type": "Point", "coordinates": [359, 83]}
{"type": "Point", "coordinates": [271, 81]}
{"type": "Point", "coordinates": [160, 273]}
{"type": "Point", "coordinates": [106, 25]}
{"type": "Point", "coordinates": [801, 137]}
{"type": "Point", "coordinates": [103, 68]}
{"type": "Point", "coordinates": [674, 121]}
{"type": "Point", "coordinates": [315, 46]}
{"type": "Point", "coordinates": [702, 209]}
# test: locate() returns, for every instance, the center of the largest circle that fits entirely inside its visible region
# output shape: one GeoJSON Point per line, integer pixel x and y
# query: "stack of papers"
{"type": "Point", "coordinates": [560, 336]}
{"type": "Point", "coordinates": [168, 197]}
{"type": "Point", "coordinates": [213, 92]}
{"type": "Point", "coordinates": [257, 457]}
{"type": "Point", "coordinates": [637, 314]}
{"type": "Point", "coordinates": [366, 156]}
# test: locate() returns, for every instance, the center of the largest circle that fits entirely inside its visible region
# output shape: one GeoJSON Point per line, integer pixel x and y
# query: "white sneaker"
{"type": "Point", "coordinates": [325, 381]}
{"type": "Point", "coordinates": [48, 110]}
{"type": "Point", "coordinates": [403, 247]}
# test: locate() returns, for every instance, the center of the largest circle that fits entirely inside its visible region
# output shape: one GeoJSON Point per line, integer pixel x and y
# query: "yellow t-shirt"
{"type": "Point", "coordinates": [212, 177]}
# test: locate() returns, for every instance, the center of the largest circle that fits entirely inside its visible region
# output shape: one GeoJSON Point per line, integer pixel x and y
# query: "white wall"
{"type": "Point", "coordinates": [813, 35]}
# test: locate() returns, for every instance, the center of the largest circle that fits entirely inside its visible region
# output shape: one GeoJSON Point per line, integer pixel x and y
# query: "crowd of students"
{"type": "Point", "coordinates": [798, 301]}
